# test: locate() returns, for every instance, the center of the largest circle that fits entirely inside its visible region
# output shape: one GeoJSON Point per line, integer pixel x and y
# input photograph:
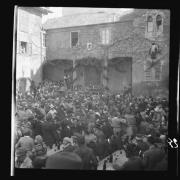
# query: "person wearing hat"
{"type": "Point", "coordinates": [64, 160]}
{"type": "Point", "coordinates": [48, 130]}
{"type": "Point", "coordinates": [101, 144]}
{"type": "Point", "coordinates": [89, 160]}
{"type": "Point", "coordinates": [153, 155]}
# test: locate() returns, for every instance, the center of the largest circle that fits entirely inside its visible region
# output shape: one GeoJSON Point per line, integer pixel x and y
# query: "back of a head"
{"type": "Point", "coordinates": [27, 132]}
{"type": "Point", "coordinates": [64, 160]}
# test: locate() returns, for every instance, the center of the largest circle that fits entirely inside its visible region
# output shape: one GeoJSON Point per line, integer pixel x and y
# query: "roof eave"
{"type": "Point", "coordinates": [40, 9]}
{"type": "Point", "coordinates": [89, 25]}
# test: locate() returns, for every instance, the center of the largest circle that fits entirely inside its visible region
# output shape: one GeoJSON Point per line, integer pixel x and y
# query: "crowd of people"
{"type": "Point", "coordinates": [85, 126]}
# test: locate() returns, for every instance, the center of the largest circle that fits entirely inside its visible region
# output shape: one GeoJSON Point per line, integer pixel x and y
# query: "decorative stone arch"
{"type": "Point", "coordinates": [159, 18]}
{"type": "Point", "coordinates": [154, 14]}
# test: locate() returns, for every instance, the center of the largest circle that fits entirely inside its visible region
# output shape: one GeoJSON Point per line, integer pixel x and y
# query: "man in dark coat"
{"type": "Point", "coordinates": [60, 113]}
{"type": "Point", "coordinates": [86, 154]}
{"type": "Point", "coordinates": [36, 127]}
{"type": "Point", "coordinates": [153, 155]}
{"type": "Point", "coordinates": [134, 162]}
{"type": "Point", "coordinates": [48, 132]}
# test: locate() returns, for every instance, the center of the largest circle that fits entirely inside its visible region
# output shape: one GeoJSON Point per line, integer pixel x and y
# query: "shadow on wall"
{"type": "Point", "coordinates": [37, 77]}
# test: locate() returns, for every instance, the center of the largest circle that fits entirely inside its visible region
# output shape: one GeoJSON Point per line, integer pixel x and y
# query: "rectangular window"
{"type": "Point", "coordinates": [74, 39]}
{"type": "Point", "coordinates": [25, 48]}
{"type": "Point", "coordinates": [148, 75]}
{"type": "Point", "coordinates": [105, 36]}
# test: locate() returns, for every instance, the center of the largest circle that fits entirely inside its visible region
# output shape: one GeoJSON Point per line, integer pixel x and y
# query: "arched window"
{"type": "Point", "coordinates": [149, 24]}
{"type": "Point", "coordinates": [159, 22]}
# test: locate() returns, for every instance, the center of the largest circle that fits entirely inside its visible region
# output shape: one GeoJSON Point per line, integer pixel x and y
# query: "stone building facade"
{"type": "Point", "coordinates": [31, 50]}
{"type": "Point", "coordinates": [125, 40]}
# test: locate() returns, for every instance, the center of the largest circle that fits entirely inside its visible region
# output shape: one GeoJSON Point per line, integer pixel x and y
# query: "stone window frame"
{"type": "Point", "coordinates": [28, 48]}
{"type": "Point", "coordinates": [105, 30]}
{"type": "Point", "coordinates": [155, 32]}
{"type": "Point", "coordinates": [160, 31]}
{"type": "Point", "coordinates": [71, 39]}
{"type": "Point", "coordinates": [147, 21]}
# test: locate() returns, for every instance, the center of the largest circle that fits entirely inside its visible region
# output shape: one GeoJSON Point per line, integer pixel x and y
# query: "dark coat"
{"type": "Point", "coordinates": [36, 128]}
{"type": "Point", "coordinates": [47, 131]}
{"type": "Point", "coordinates": [87, 156]}
{"type": "Point", "coordinates": [133, 164]}
{"type": "Point", "coordinates": [162, 165]}
{"type": "Point", "coordinates": [152, 157]}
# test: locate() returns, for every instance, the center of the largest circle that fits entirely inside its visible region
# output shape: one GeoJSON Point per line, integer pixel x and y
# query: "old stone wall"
{"type": "Point", "coordinates": [131, 41]}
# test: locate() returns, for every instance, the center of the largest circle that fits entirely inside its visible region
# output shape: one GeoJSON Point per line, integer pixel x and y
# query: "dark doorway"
{"type": "Point", "coordinates": [120, 73]}
{"type": "Point", "coordinates": [92, 76]}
